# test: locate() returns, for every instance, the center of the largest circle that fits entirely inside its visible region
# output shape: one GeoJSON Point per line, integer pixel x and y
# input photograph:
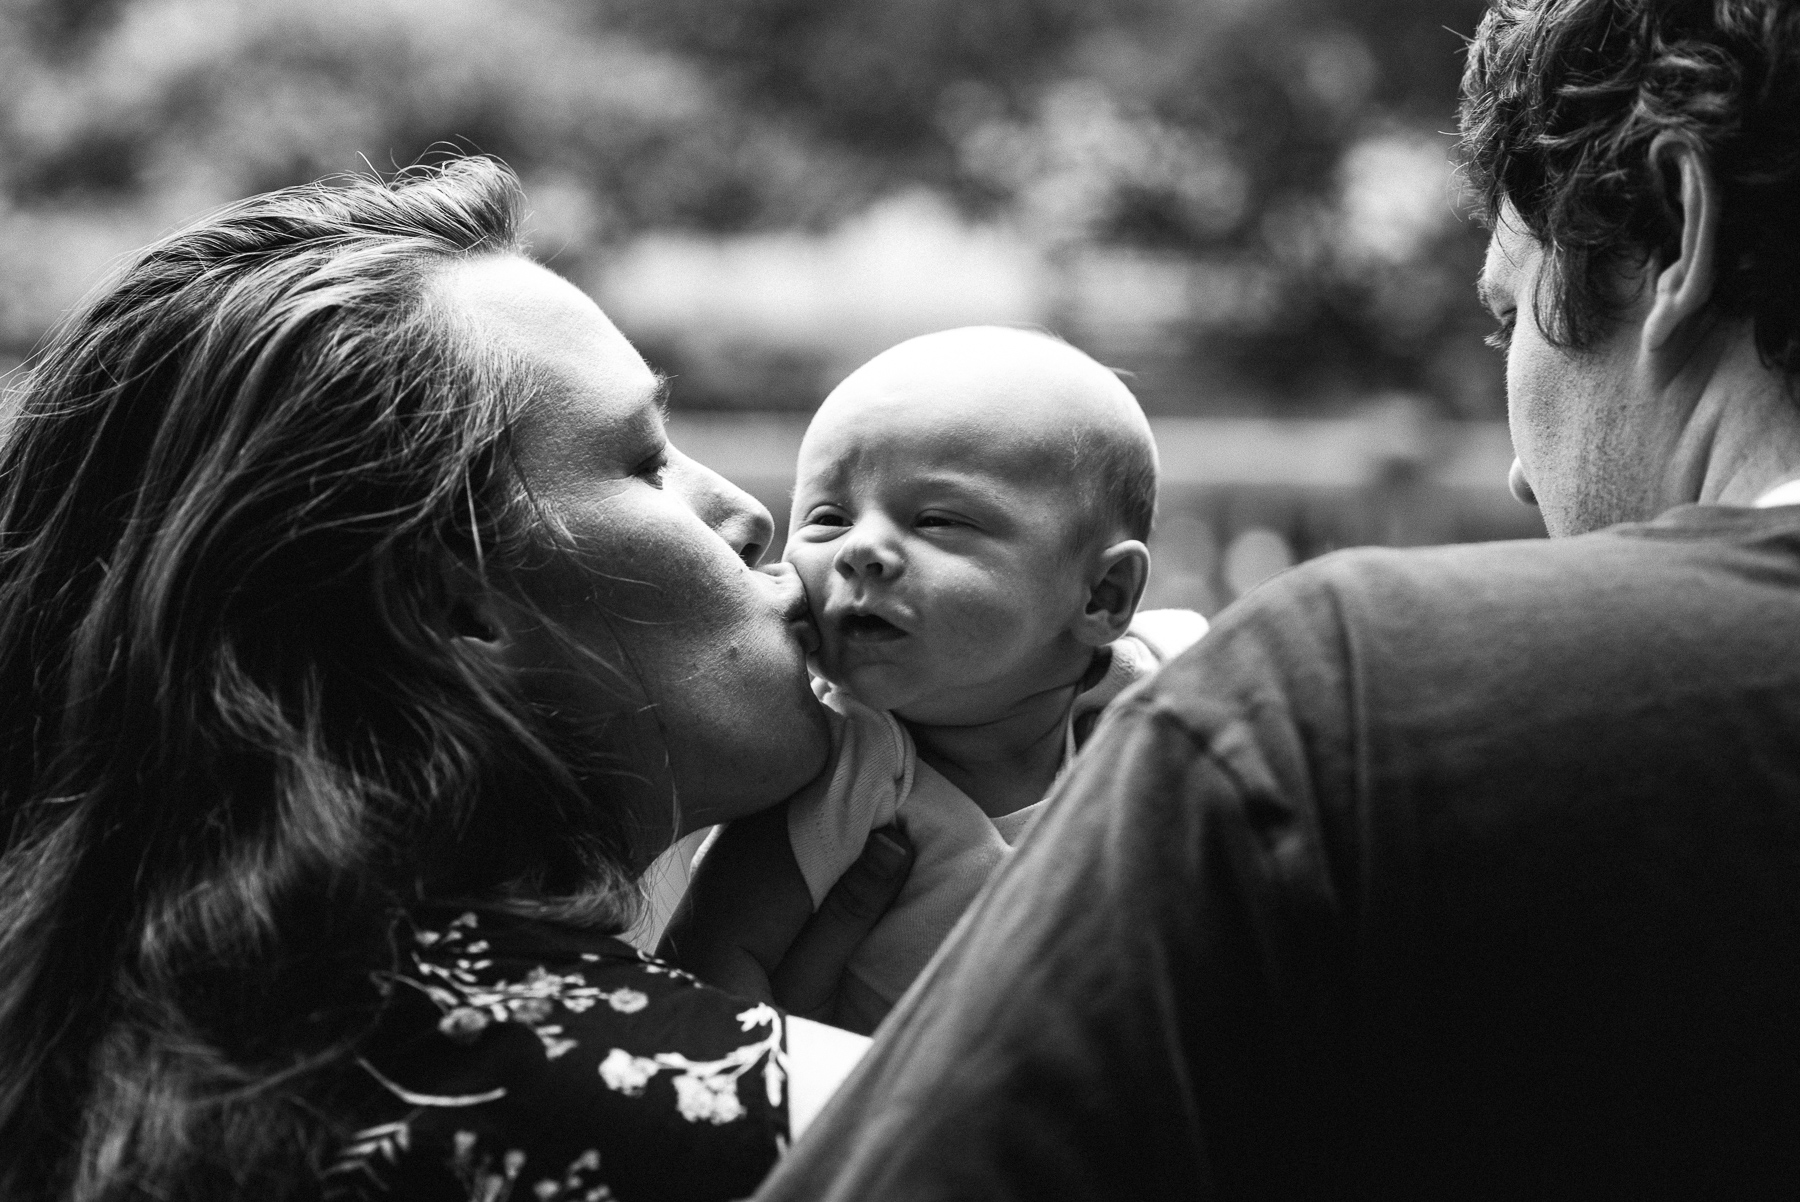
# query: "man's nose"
{"type": "Point", "coordinates": [869, 550]}
{"type": "Point", "coordinates": [736, 516]}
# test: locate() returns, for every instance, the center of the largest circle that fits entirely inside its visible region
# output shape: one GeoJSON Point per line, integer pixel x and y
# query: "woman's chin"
{"type": "Point", "coordinates": [772, 764]}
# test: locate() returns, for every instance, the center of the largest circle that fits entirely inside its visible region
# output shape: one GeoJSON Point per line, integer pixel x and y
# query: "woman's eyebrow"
{"type": "Point", "coordinates": [659, 395]}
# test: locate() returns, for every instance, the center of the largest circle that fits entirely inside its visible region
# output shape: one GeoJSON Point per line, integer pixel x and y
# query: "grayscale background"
{"type": "Point", "coordinates": [1250, 206]}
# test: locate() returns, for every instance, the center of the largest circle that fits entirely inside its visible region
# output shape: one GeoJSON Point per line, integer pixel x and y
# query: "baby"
{"type": "Point", "coordinates": [969, 521]}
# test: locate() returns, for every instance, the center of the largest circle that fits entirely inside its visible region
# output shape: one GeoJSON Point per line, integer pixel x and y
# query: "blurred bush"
{"type": "Point", "coordinates": [1247, 203]}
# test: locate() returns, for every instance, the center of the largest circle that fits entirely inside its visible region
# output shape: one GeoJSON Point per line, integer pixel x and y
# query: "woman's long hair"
{"type": "Point", "coordinates": [236, 729]}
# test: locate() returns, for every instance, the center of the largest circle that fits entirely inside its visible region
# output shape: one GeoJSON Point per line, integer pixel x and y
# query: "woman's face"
{"type": "Point", "coordinates": [684, 662]}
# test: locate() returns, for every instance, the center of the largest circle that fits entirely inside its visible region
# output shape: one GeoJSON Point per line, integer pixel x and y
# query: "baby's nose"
{"type": "Point", "coordinates": [869, 556]}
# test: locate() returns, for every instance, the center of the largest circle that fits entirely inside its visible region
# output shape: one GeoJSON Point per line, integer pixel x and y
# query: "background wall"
{"type": "Point", "coordinates": [1248, 205]}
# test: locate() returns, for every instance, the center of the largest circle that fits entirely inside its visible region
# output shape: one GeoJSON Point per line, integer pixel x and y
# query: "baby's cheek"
{"type": "Point", "coordinates": [814, 570]}
{"type": "Point", "coordinates": [980, 627]}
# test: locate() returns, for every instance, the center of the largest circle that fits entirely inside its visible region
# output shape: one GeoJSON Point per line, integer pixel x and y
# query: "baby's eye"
{"type": "Point", "coordinates": [652, 470]}
{"type": "Point", "coordinates": [826, 517]}
{"type": "Point", "coordinates": [1501, 339]}
{"type": "Point", "coordinates": [937, 519]}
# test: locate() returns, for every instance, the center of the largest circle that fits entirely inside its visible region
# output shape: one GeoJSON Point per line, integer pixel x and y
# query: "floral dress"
{"type": "Point", "coordinates": [521, 1060]}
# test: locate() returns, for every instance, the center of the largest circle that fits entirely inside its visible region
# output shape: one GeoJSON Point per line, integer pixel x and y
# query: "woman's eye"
{"type": "Point", "coordinates": [652, 469]}
{"type": "Point", "coordinates": [1501, 339]}
{"type": "Point", "coordinates": [936, 519]}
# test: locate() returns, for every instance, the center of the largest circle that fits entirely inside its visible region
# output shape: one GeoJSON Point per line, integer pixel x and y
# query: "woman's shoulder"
{"type": "Point", "coordinates": [517, 1054]}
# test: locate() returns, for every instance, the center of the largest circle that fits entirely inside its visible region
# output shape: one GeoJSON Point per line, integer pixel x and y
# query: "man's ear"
{"type": "Point", "coordinates": [1117, 585]}
{"type": "Point", "coordinates": [1683, 287]}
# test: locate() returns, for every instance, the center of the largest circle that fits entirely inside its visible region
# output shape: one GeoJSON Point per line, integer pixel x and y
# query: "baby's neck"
{"type": "Point", "coordinates": [1005, 764]}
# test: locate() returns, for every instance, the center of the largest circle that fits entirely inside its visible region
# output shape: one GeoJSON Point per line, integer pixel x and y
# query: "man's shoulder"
{"type": "Point", "coordinates": [1715, 557]}
{"type": "Point", "coordinates": [1485, 574]}
{"type": "Point", "coordinates": [1692, 586]}
{"type": "Point", "coordinates": [1700, 566]}
{"type": "Point", "coordinates": [1314, 611]}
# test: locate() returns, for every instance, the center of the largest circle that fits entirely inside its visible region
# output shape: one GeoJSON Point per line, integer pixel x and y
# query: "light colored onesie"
{"type": "Point", "coordinates": [879, 778]}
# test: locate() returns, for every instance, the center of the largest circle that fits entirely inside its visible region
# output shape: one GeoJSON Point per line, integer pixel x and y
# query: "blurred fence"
{"type": "Point", "coordinates": [1241, 498]}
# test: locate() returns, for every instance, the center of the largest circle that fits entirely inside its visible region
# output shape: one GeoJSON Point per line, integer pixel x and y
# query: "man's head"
{"type": "Point", "coordinates": [969, 518]}
{"type": "Point", "coordinates": [1625, 150]}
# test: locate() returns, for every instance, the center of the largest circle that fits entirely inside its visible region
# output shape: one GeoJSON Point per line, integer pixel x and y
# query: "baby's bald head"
{"type": "Point", "coordinates": [969, 518]}
{"type": "Point", "coordinates": [1022, 401]}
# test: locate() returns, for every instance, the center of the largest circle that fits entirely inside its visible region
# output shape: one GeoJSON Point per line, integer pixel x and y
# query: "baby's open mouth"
{"type": "Point", "coordinates": [869, 628]}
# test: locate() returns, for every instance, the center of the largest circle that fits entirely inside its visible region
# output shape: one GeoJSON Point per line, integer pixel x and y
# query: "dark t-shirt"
{"type": "Point", "coordinates": [1449, 873]}
{"type": "Point", "coordinates": [522, 1059]}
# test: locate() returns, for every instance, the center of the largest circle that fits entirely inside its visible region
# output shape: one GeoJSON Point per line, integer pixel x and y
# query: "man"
{"type": "Point", "coordinates": [1467, 871]}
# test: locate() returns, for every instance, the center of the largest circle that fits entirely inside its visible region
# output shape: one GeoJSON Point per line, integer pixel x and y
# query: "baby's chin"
{"type": "Point", "coordinates": [879, 686]}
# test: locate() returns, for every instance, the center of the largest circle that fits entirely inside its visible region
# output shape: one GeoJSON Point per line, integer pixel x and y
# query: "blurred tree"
{"type": "Point", "coordinates": [1279, 157]}
{"type": "Point", "coordinates": [1260, 137]}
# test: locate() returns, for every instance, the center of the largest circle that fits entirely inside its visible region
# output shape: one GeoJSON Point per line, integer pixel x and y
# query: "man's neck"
{"type": "Point", "coordinates": [1005, 764]}
{"type": "Point", "coordinates": [1743, 435]}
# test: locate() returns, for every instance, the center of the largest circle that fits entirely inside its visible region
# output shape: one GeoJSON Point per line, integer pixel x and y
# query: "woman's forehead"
{"type": "Point", "coordinates": [536, 314]}
{"type": "Point", "coordinates": [586, 371]}
{"type": "Point", "coordinates": [591, 407]}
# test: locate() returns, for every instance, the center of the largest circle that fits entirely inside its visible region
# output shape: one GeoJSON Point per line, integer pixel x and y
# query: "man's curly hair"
{"type": "Point", "coordinates": [1561, 101]}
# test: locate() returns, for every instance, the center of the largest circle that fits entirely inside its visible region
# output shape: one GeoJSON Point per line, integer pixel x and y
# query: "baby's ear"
{"type": "Point", "coordinates": [1116, 586]}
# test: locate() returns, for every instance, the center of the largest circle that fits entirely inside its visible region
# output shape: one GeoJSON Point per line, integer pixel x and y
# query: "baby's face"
{"type": "Point", "coordinates": [935, 548]}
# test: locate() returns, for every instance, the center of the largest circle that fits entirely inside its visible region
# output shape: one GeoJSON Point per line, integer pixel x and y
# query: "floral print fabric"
{"type": "Point", "coordinates": [521, 1059]}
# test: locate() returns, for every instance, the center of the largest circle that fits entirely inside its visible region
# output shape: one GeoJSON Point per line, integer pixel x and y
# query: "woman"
{"type": "Point", "coordinates": [358, 629]}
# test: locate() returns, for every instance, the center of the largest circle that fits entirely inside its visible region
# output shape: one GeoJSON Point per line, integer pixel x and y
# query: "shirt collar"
{"type": "Point", "coordinates": [1785, 493]}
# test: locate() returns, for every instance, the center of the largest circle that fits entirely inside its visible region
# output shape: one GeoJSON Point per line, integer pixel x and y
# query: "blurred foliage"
{"type": "Point", "coordinates": [1286, 155]}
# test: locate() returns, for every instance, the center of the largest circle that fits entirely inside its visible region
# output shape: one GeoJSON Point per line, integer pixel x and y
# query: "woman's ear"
{"type": "Point", "coordinates": [477, 617]}
{"type": "Point", "coordinates": [1117, 586]}
{"type": "Point", "coordinates": [471, 621]}
{"type": "Point", "coordinates": [1684, 286]}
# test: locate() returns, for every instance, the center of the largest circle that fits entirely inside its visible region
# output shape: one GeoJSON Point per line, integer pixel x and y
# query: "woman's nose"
{"type": "Point", "coordinates": [868, 551]}
{"type": "Point", "coordinates": [736, 516]}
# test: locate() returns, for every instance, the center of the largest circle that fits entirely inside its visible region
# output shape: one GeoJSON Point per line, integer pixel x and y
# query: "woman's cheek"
{"type": "Point", "coordinates": [749, 732]}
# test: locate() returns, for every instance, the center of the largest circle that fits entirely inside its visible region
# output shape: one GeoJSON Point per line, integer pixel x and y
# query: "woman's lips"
{"type": "Point", "coordinates": [799, 620]}
{"type": "Point", "coordinates": [805, 633]}
{"type": "Point", "coordinates": [796, 613]}
{"type": "Point", "coordinates": [868, 628]}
